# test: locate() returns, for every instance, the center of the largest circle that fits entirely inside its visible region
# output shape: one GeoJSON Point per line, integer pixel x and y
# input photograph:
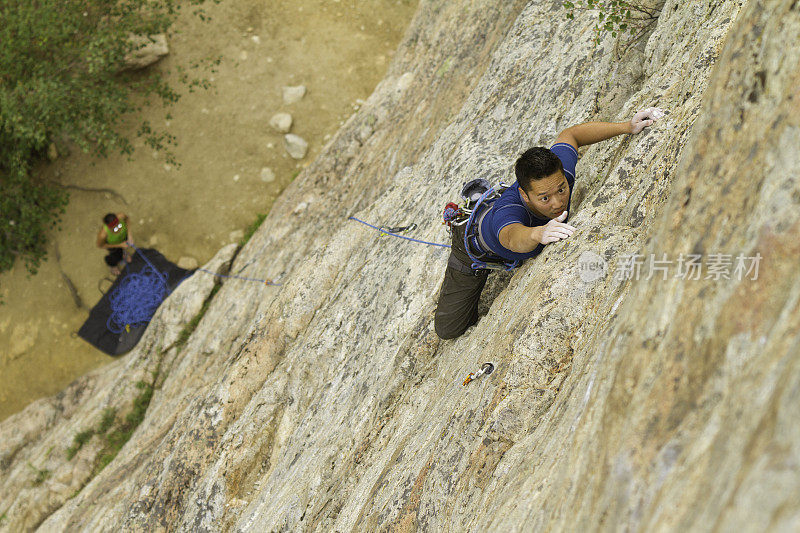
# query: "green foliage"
{"type": "Point", "coordinates": [446, 66]}
{"type": "Point", "coordinates": [41, 474]}
{"type": "Point", "coordinates": [189, 328]}
{"type": "Point", "coordinates": [109, 415]}
{"type": "Point", "coordinates": [113, 431]}
{"type": "Point", "coordinates": [614, 16]}
{"type": "Point", "coordinates": [27, 211]}
{"type": "Point", "coordinates": [251, 229]}
{"type": "Point", "coordinates": [116, 439]}
{"type": "Point", "coordinates": [78, 441]}
{"type": "Point", "coordinates": [106, 421]}
{"type": "Point", "coordinates": [62, 73]}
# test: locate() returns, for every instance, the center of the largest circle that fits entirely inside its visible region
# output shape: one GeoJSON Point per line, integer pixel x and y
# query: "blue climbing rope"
{"type": "Point", "coordinates": [234, 276]}
{"type": "Point", "coordinates": [400, 236]}
{"type": "Point", "coordinates": [135, 300]}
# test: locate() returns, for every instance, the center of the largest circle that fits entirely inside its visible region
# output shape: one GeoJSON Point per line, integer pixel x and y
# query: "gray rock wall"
{"type": "Point", "coordinates": [329, 404]}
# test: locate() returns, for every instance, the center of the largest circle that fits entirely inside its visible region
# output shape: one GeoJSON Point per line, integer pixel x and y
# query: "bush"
{"type": "Point", "coordinates": [26, 211]}
{"type": "Point", "coordinates": [615, 16]}
{"type": "Point", "coordinates": [62, 73]}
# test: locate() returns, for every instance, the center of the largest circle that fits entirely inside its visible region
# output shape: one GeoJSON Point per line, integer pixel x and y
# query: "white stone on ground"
{"type": "Point", "coordinates": [293, 94]}
{"type": "Point", "coordinates": [187, 263]}
{"type": "Point", "coordinates": [281, 122]}
{"type": "Point", "coordinates": [295, 145]}
{"type": "Point", "coordinates": [148, 50]}
{"type": "Point", "coordinates": [267, 175]}
{"type": "Point", "coordinates": [236, 235]}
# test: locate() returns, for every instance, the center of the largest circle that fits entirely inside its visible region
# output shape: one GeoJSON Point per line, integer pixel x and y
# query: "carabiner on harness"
{"type": "Point", "coordinates": [396, 229]}
{"type": "Point", "coordinates": [471, 192]}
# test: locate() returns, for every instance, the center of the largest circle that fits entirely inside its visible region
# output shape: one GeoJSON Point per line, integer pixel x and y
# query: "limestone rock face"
{"type": "Point", "coordinates": [36, 478]}
{"type": "Point", "coordinates": [618, 402]}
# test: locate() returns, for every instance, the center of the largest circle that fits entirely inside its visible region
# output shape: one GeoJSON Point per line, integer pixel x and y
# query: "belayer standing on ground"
{"type": "Point", "coordinates": [116, 237]}
{"type": "Point", "coordinates": [528, 215]}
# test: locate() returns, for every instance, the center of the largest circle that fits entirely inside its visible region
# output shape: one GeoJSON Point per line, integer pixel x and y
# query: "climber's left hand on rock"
{"type": "Point", "coordinates": [645, 118]}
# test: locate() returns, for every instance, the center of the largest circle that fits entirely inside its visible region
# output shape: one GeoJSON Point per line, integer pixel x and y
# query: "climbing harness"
{"type": "Point", "coordinates": [479, 196]}
{"type": "Point", "coordinates": [453, 215]}
{"type": "Point", "coordinates": [476, 247]}
{"type": "Point", "coordinates": [471, 192]}
{"type": "Point", "coordinates": [485, 370]}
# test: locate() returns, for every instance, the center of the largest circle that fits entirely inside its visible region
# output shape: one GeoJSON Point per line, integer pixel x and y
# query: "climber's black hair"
{"type": "Point", "coordinates": [536, 163]}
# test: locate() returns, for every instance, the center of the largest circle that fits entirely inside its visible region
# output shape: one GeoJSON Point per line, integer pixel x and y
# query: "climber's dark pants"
{"type": "Point", "coordinates": [114, 257]}
{"type": "Point", "coordinates": [461, 289]}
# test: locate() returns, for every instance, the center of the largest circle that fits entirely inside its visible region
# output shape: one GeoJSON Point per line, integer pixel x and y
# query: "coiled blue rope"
{"type": "Point", "coordinates": [400, 236]}
{"type": "Point", "coordinates": [135, 300]}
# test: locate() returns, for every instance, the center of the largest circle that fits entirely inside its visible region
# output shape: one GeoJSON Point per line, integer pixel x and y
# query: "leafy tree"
{"type": "Point", "coordinates": [63, 73]}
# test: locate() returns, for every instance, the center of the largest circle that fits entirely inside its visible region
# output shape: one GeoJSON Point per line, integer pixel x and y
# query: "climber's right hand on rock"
{"type": "Point", "coordinates": [556, 230]}
{"type": "Point", "coordinates": [644, 118]}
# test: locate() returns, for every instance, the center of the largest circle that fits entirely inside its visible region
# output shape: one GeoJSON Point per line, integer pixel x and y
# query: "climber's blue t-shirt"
{"type": "Point", "coordinates": [510, 209]}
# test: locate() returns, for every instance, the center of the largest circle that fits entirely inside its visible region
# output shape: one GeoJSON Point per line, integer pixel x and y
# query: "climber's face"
{"type": "Point", "coordinates": [548, 197]}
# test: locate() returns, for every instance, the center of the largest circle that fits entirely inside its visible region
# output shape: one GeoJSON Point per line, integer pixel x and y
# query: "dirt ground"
{"type": "Point", "coordinates": [338, 49]}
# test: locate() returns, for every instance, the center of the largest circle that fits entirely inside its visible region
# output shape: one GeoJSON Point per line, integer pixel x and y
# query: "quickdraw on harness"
{"type": "Point", "coordinates": [478, 196]}
{"type": "Point", "coordinates": [486, 369]}
{"type": "Point", "coordinates": [453, 215]}
{"type": "Point", "coordinates": [471, 192]}
{"type": "Point", "coordinates": [385, 230]}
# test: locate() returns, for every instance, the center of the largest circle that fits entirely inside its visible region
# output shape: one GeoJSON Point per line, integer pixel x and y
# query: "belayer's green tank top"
{"type": "Point", "coordinates": [118, 237]}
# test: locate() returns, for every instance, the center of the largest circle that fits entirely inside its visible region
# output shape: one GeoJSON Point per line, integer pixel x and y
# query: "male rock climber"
{"type": "Point", "coordinates": [115, 235]}
{"type": "Point", "coordinates": [527, 216]}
